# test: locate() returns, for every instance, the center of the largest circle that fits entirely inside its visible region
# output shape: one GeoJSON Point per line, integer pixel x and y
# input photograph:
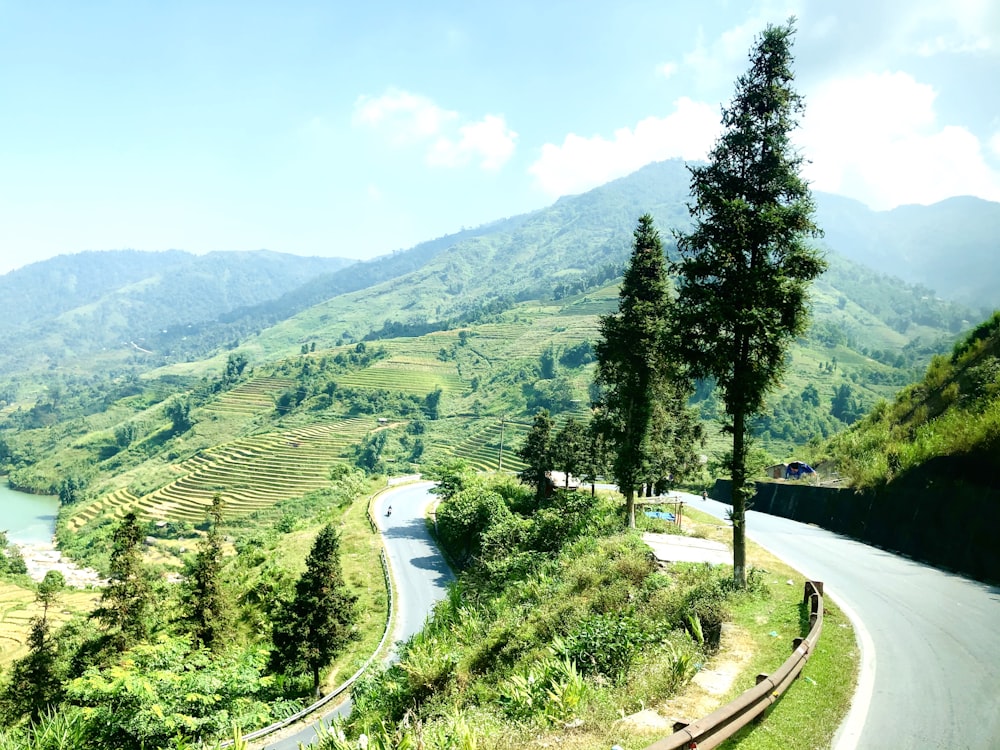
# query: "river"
{"type": "Point", "coordinates": [30, 523]}
{"type": "Point", "coordinates": [27, 519]}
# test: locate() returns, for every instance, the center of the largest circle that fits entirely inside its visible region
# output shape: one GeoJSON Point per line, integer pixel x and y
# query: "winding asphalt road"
{"type": "Point", "coordinates": [420, 579]}
{"type": "Point", "coordinates": [930, 639]}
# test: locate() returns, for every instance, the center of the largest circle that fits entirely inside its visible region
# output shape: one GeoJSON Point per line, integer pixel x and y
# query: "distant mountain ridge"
{"type": "Point", "coordinates": [75, 304]}
{"type": "Point", "coordinates": [182, 307]}
{"type": "Point", "coordinates": [951, 247]}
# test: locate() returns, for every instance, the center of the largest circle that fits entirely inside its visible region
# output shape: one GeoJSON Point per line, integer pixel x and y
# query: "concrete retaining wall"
{"type": "Point", "coordinates": [947, 522]}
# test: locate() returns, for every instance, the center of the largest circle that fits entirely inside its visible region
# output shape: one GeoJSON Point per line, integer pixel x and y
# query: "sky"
{"type": "Point", "coordinates": [357, 129]}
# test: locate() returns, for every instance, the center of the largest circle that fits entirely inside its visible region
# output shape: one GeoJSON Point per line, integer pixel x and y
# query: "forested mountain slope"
{"type": "Point", "coordinates": [950, 247]}
{"type": "Point", "coordinates": [60, 310]}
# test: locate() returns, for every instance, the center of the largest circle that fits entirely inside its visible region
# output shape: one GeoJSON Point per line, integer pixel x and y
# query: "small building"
{"type": "Point", "coordinates": [776, 472]}
{"type": "Point", "coordinates": [558, 480]}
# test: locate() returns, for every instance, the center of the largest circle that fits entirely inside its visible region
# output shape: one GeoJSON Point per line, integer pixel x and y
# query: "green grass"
{"type": "Point", "coordinates": [808, 714]}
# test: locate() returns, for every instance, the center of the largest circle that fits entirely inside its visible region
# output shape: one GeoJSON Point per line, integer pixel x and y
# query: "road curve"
{"type": "Point", "coordinates": [931, 673]}
{"type": "Point", "coordinates": [419, 573]}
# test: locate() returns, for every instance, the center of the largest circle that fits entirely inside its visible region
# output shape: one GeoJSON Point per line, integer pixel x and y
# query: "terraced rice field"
{"type": "Point", "coordinates": [405, 375]}
{"type": "Point", "coordinates": [250, 473]}
{"type": "Point", "coordinates": [480, 448]}
{"type": "Point", "coordinates": [252, 397]}
{"type": "Point", "coordinates": [17, 607]}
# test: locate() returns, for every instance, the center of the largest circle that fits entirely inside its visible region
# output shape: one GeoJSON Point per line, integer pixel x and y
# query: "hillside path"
{"type": "Point", "coordinates": [930, 675]}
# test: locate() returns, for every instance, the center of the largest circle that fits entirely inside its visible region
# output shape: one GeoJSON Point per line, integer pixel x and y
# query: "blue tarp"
{"type": "Point", "coordinates": [797, 469]}
{"type": "Point", "coordinates": [662, 514]}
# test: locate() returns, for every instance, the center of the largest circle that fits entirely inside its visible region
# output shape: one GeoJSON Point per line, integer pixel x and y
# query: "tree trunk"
{"type": "Point", "coordinates": [739, 499]}
{"type": "Point", "coordinates": [315, 671]}
{"type": "Point", "coordinates": [630, 506]}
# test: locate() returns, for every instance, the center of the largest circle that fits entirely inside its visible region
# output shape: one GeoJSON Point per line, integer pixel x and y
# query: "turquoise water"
{"type": "Point", "coordinates": [27, 519]}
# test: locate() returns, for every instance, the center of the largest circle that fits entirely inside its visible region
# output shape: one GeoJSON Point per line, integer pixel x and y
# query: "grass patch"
{"type": "Point", "coordinates": [811, 710]}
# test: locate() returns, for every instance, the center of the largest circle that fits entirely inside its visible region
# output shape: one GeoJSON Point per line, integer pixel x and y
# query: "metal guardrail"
{"type": "Point", "coordinates": [724, 722]}
{"type": "Point", "coordinates": [391, 604]}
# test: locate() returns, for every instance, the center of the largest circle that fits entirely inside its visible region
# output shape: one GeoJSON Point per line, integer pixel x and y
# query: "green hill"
{"type": "Point", "coordinates": [433, 349]}
{"type": "Point", "coordinates": [950, 421]}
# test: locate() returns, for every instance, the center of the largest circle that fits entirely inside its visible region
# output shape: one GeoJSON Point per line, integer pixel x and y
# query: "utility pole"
{"type": "Point", "coordinates": [500, 456]}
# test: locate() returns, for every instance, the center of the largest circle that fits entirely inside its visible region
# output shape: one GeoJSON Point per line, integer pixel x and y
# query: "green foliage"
{"type": "Point", "coordinates": [71, 490]}
{"type": "Point", "coordinates": [606, 644]}
{"type": "Point", "coordinates": [432, 404]}
{"type": "Point", "coordinates": [570, 448]}
{"type": "Point", "coordinates": [550, 690]}
{"type": "Point", "coordinates": [464, 517]}
{"type": "Point", "coordinates": [34, 683]}
{"type": "Point", "coordinates": [206, 601]}
{"type": "Point", "coordinates": [746, 266]}
{"type": "Point", "coordinates": [164, 691]}
{"type": "Point", "coordinates": [536, 452]}
{"type": "Point", "coordinates": [12, 561]}
{"type": "Point", "coordinates": [178, 411]}
{"type": "Point", "coordinates": [641, 407]}
{"type": "Point", "coordinates": [315, 626]}
{"type": "Point", "coordinates": [568, 635]}
{"type": "Point", "coordinates": [125, 604]}
{"type": "Point", "coordinates": [953, 411]}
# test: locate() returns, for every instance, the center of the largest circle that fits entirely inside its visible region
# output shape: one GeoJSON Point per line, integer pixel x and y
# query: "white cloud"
{"type": "Point", "coordinates": [957, 27]}
{"type": "Point", "coordinates": [488, 140]}
{"type": "Point", "coordinates": [666, 69]}
{"type": "Point", "coordinates": [408, 119]}
{"type": "Point", "coordinates": [404, 117]}
{"type": "Point", "coordinates": [582, 163]}
{"type": "Point", "coordinates": [876, 137]}
{"type": "Point", "coordinates": [995, 144]}
{"type": "Point", "coordinates": [716, 63]}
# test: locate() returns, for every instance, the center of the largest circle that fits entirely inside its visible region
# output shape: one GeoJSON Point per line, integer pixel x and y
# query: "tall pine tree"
{"type": "Point", "coordinates": [34, 684]}
{"type": "Point", "coordinates": [746, 265]}
{"type": "Point", "coordinates": [125, 604]}
{"type": "Point", "coordinates": [206, 604]}
{"type": "Point", "coordinates": [317, 624]}
{"type": "Point", "coordinates": [634, 375]}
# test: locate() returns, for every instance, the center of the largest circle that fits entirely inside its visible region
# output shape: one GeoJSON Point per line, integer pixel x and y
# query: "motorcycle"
{"type": "Point", "coordinates": [388, 511]}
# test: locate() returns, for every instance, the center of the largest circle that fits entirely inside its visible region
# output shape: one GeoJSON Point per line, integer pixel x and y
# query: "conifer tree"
{"type": "Point", "coordinates": [536, 452]}
{"type": "Point", "coordinates": [206, 604]}
{"type": "Point", "coordinates": [317, 624]}
{"type": "Point", "coordinates": [125, 603]}
{"type": "Point", "coordinates": [632, 366]}
{"type": "Point", "coordinates": [34, 685]}
{"type": "Point", "coordinates": [569, 448]}
{"type": "Point", "coordinates": [746, 266]}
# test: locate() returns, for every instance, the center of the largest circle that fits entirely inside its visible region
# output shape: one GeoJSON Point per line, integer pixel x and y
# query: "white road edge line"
{"type": "Point", "coordinates": [849, 732]}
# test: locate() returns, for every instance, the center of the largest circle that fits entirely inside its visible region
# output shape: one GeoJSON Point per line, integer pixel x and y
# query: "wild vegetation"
{"type": "Point", "coordinates": [953, 412]}
{"type": "Point", "coordinates": [214, 458]}
{"type": "Point", "coordinates": [241, 641]}
{"type": "Point", "coordinates": [560, 619]}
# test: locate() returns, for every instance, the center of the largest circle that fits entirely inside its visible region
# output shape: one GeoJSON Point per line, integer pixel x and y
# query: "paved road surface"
{"type": "Point", "coordinates": [420, 578]}
{"type": "Point", "coordinates": [932, 674]}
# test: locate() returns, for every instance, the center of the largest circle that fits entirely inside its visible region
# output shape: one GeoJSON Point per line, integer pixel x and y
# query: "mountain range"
{"type": "Point", "coordinates": [150, 309]}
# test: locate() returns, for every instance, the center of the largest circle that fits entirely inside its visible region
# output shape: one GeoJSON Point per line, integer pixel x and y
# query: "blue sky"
{"type": "Point", "coordinates": [328, 128]}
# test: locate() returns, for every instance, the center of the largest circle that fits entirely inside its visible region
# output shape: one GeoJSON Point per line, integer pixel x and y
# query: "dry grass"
{"type": "Point", "coordinates": [17, 607]}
